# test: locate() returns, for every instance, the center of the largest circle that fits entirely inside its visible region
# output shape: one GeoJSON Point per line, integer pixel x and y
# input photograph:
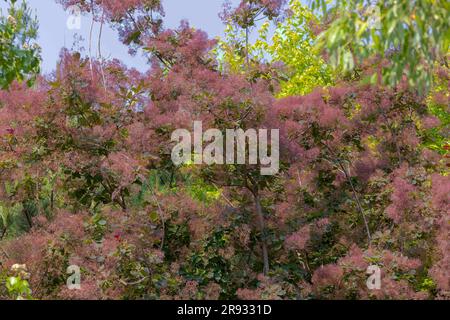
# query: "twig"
{"type": "Point", "coordinates": [161, 215]}
{"type": "Point", "coordinates": [133, 283]}
{"type": "Point", "coordinates": [99, 45]}
{"type": "Point", "coordinates": [90, 41]}
{"type": "Point", "coordinates": [225, 198]}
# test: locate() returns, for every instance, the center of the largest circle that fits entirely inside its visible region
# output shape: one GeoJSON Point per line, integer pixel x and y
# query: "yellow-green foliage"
{"type": "Point", "coordinates": [437, 138]}
{"type": "Point", "coordinates": [291, 43]}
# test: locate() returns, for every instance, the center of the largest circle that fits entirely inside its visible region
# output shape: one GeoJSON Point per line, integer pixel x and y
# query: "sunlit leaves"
{"type": "Point", "coordinates": [293, 45]}
{"type": "Point", "coordinates": [410, 35]}
{"type": "Point", "coordinates": [289, 45]}
{"type": "Point", "coordinates": [19, 55]}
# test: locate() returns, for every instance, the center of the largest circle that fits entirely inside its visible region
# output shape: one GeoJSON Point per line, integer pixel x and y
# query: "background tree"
{"type": "Point", "coordinates": [409, 38]}
{"type": "Point", "coordinates": [285, 46]}
{"type": "Point", "coordinates": [20, 58]}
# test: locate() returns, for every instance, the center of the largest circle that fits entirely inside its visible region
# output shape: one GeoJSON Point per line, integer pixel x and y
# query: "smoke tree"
{"type": "Point", "coordinates": [86, 176]}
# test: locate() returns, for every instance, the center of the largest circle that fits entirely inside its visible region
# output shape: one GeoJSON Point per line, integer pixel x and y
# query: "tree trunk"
{"type": "Point", "coordinates": [3, 233]}
{"type": "Point", "coordinates": [25, 212]}
{"type": "Point", "coordinates": [262, 228]}
{"type": "Point", "coordinates": [52, 201]}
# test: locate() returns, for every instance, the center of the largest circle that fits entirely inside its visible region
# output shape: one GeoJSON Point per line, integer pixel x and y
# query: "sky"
{"type": "Point", "coordinates": [54, 33]}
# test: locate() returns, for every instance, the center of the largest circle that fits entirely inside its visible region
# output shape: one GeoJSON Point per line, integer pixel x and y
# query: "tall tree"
{"type": "Point", "coordinates": [410, 38]}
{"type": "Point", "coordinates": [20, 58]}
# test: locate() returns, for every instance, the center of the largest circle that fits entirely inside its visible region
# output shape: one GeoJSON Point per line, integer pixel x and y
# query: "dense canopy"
{"type": "Point", "coordinates": [87, 179]}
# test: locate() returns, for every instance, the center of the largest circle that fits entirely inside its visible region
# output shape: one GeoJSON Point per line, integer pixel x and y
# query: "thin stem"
{"type": "Point", "coordinates": [358, 202]}
{"type": "Point", "coordinates": [246, 48]}
{"type": "Point", "coordinates": [90, 41]}
{"type": "Point", "coordinates": [354, 192]}
{"type": "Point", "coordinates": [262, 227]}
{"type": "Point", "coordinates": [161, 216]}
{"type": "Point", "coordinates": [99, 45]}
